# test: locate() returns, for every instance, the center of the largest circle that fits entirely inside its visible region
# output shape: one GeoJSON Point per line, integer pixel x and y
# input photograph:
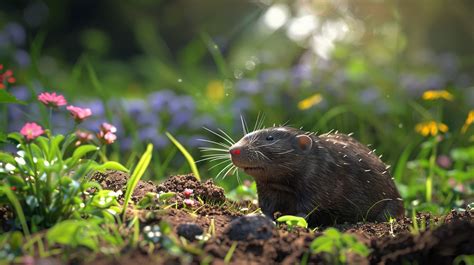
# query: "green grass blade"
{"type": "Point", "coordinates": [187, 155]}
{"type": "Point", "coordinates": [402, 162]}
{"type": "Point", "coordinates": [216, 54]}
{"type": "Point", "coordinates": [136, 175]}
{"type": "Point", "coordinates": [230, 253]}
{"type": "Point", "coordinates": [17, 206]}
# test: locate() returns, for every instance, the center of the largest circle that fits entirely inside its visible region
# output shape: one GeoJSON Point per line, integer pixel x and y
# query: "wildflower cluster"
{"type": "Point", "coordinates": [188, 195]}
{"type": "Point", "coordinates": [6, 77]}
{"type": "Point", "coordinates": [45, 180]}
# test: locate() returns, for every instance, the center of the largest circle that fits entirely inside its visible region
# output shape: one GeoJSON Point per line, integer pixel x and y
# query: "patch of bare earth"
{"type": "Point", "coordinates": [258, 241]}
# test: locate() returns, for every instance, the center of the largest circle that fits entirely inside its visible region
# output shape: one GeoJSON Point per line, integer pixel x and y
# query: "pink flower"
{"type": "Point", "coordinates": [107, 127]}
{"type": "Point", "coordinates": [187, 193]}
{"type": "Point", "coordinates": [107, 137]}
{"type": "Point", "coordinates": [83, 137]}
{"type": "Point", "coordinates": [79, 114]}
{"type": "Point", "coordinates": [6, 77]}
{"type": "Point", "coordinates": [189, 202]}
{"type": "Point", "coordinates": [31, 130]}
{"type": "Point", "coordinates": [51, 99]}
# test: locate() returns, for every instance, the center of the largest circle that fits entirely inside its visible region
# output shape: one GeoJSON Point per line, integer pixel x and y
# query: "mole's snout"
{"type": "Point", "coordinates": [235, 151]}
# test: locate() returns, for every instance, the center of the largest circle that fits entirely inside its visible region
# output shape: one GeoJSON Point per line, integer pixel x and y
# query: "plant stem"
{"type": "Point", "coordinates": [429, 178]}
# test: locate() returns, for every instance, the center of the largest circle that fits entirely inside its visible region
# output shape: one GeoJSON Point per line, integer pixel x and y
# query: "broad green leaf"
{"type": "Point", "coordinates": [16, 181]}
{"type": "Point", "coordinates": [5, 189]}
{"type": "Point", "coordinates": [55, 150]}
{"type": "Point", "coordinates": [3, 137]}
{"type": "Point", "coordinates": [6, 97]}
{"type": "Point", "coordinates": [293, 220]}
{"type": "Point", "coordinates": [186, 154]}
{"type": "Point", "coordinates": [16, 136]}
{"type": "Point", "coordinates": [112, 165]}
{"type": "Point", "coordinates": [83, 150]}
{"type": "Point", "coordinates": [7, 158]}
{"type": "Point", "coordinates": [74, 233]}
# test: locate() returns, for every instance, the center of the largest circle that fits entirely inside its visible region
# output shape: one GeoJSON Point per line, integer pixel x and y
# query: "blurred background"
{"type": "Point", "coordinates": [150, 66]}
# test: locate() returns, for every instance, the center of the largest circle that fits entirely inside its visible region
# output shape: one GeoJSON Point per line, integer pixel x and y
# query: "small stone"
{"type": "Point", "coordinates": [250, 227]}
{"type": "Point", "coordinates": [189, 231]}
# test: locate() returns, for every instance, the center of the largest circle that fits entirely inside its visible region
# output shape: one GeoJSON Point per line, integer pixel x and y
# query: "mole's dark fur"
{"type": "Point", "coordinates": [332, 177]}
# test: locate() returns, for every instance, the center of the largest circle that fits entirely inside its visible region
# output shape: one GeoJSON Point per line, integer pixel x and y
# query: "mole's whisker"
{"type": "Point", "coordinates": [244, 125]}
{"type": "Point", "coordinates": [216, 165]}
{"type": "Point", "coordinates": [218, 135]}
{"type": "Point", "coordinates": [216, 155]}
{"type": "Point", "coordinates": [225, 168]}
{"type": "Point", "coordinates": [212, 159]}
{"type": "Point", "coordinates": [228, 137]}
{"type": "Point", "coordinates": [286, 152]}
{"type": "Point", "coordinates": [208, 149]}
{"type": "Point", "coordinates": [263, 145]}
{"type": "Point", "coordinates": [213, 142]}
{"type": "Point", "coordinates": [227, 172]}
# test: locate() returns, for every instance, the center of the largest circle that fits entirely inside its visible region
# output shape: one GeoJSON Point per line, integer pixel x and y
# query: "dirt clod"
{"type": "Point", "coordinates": [250, 227]}
{"type": "Point", "coordinates": [189, 231]}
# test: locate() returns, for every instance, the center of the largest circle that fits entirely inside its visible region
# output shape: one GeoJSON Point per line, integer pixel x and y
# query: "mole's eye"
{"type": "Point", "coordinates": [269, 138]}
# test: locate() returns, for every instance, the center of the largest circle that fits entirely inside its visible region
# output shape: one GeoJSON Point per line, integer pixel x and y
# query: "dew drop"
{"type": "Point", "coordinates": [180, 80]}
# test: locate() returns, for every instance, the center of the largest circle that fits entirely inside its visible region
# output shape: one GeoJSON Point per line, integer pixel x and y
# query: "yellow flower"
{"type": "Point", "coordinates": [431, 127]}
{"type": "Point", "coordinates": [215, 90]}
{"type": "Point", "coordinates": [468, 122]}
{"type": "Point", "coordinates": [437, 94]}
{"type": "Point", "coordinates": [310, 101]}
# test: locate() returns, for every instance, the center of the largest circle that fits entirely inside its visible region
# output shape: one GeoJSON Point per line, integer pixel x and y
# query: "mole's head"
{"type": "Point", "coordinates": [271, 152]}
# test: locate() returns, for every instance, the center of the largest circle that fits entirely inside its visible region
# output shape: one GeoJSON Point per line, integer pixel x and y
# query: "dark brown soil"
{"type": "Point", "coordinates": [258, 241]}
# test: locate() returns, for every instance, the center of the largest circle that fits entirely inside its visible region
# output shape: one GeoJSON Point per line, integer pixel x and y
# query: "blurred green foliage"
{"type": "Point", "coordinates": [369, 61]}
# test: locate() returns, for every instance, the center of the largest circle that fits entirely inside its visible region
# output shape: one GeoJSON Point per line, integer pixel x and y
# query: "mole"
{"type": "Point", "coordinates": [328, 179]}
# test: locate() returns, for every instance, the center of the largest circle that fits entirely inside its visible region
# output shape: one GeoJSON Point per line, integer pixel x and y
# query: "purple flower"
{"type": "Point", "coordinates": [300, 73]}
{"type": "Point", "coordinates": [16, 33]}
{"type": "Point", "coordinates": [22, 58]}
{"type": "Point", "coordinates": [276, 76]}
{"type": "Point", "coordinates": [193, 141]}
{"type": "Point", "coordinates": [202, 121]}
{"type": "Point", "coordinates": [160, 100]}
{"type": "Point", "coordinates": [134, 107]}
{"type": "Point", "coordinates": [21, 92]}
{"type": "Point", "coordinates": [185, 103]}
{"type": "Point", "coordinates": [179, 119]}
{"type": "Point", "coordinates": [248, 86]}
{"type": "Point", "coordinates": [96, 106]}
{"type": "Point", "coordinates": [369, 95]}
{"type": "Point", "coordinates": [240, 105]}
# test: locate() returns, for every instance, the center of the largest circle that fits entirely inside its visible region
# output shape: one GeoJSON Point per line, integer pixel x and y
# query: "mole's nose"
{"type": "Point", "coordinates": [235, 151]}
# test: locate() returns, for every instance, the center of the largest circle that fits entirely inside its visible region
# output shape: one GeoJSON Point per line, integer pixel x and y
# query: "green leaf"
{"type": "Point", "coordinates": [17, 206]}
{"type": "Point", "coordinates": [16, 181]}
{"type": "Point", "coordinates": [332, 233]}
{"type": "Point", "coordinates": [7, 158]}
{"type": "Point", "coordinates": [83, 150]}
{"type": "Point", "coordinates": [5, 97]}
{"type": "Point", "coordinates": [3, 137]}
{"type": "Point", "coordinates": [16, 136]}
{"type": "Point", "coordinates": [111, 165]}
{"type": "Point", "coordinates": [74, 233]}
{"type": "Point", "coordinates": [55, 142]}
{"type": "Point", "coordinates": [187, 155]}
{"type": "Point", "coordinates": [136, 175]}
{"type": "Point", "coordinates": [293, 220]}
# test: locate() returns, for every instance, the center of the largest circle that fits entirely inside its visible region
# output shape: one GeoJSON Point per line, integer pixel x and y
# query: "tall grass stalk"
{"type": "Point", "coordinates": [187, 155]}
{"type": "Point", "coordinates": [136, 175]}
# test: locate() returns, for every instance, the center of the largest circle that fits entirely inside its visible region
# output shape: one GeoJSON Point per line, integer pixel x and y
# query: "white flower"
{"type": "Point", "coordinates": [20, 160]}
{"type": "Point", "coordinates": [9, 167]}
